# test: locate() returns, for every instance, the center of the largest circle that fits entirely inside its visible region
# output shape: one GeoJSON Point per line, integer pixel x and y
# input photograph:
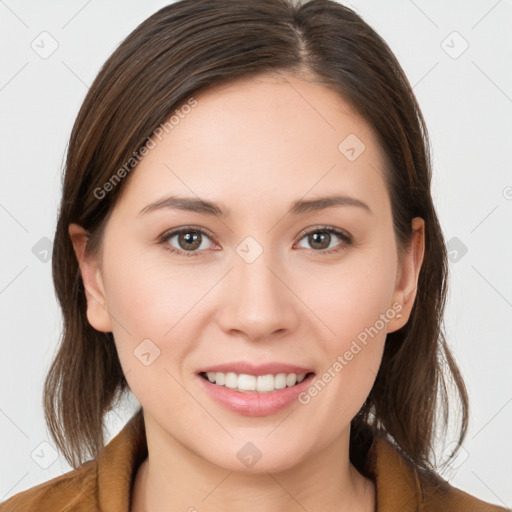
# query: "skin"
{"type": "Point", "coordinates": [255, 146]}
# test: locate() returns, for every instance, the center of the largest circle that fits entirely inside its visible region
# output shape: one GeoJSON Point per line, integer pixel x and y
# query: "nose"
{"type": "Point", "coordinates": [258, 299]}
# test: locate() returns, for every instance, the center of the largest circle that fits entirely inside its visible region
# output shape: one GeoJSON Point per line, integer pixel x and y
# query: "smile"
{"type": "Point", "coordinates": [261, 383]}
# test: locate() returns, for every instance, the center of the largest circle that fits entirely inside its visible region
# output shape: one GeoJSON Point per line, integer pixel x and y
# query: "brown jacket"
{"type": "Point", "coordinates": [104, 484]}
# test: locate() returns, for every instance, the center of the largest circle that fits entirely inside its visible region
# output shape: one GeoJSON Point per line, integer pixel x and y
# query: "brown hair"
{"type": "Point", "coordinates": [192, 45]}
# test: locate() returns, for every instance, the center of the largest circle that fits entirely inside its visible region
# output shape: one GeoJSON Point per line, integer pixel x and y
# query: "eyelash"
{"type": "Point", "coordinates": [164, 240]}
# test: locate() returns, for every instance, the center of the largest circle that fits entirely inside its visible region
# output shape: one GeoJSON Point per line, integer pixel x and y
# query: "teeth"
{"type": "Point", "coordinates": [247, 382]}
{"type": "Point", "coordinates": [261, 383]}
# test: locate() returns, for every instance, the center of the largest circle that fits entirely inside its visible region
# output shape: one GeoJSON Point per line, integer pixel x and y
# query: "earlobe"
{"type": "Point", "coordinates": [408, 274]}
{"type": "Point", "coordinates": [97, 311]}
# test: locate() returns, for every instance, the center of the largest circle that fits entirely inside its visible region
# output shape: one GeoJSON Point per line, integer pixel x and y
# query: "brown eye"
{"type": "Point", "coordinates": [189, 241]}
{"type": "Point", "coordinates": [320, 239]}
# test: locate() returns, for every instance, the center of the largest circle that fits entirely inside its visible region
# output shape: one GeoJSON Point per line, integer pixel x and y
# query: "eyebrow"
{"type": "Point", "coordinates": [298, 207]}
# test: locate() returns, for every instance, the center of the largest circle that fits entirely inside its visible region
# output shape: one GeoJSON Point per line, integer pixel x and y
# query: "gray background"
{"type": "Point", "coordinates": [466, 97]}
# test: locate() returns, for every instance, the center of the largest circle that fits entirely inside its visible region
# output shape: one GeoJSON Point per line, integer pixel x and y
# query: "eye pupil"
{"type": "Point", "coordinates": [186, 239]}
{"type": "Point", "coordinates": [317, 238]}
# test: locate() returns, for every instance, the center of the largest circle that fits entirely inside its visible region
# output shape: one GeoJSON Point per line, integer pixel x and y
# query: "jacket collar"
{"type": "Point", "coordinates": [397, 484]}
{"type": "Point", "coordinates": [118, 464]}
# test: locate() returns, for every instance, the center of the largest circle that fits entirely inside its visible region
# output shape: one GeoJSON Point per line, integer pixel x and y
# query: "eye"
{"type": "Point", "coordinates": [189, 240]}
{"type": "Point", "coordinates": [320, 239]}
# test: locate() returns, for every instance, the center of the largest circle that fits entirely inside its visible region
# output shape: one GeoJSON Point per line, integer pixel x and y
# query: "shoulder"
{"type": "Point", "coordinates": [103, 483]}
{"type": "Point", "coordinates": [74, 491]}
{"type": "Point", "coordinates": [438, 494]}
{"type": "Point", "coordinates": [403, 486]}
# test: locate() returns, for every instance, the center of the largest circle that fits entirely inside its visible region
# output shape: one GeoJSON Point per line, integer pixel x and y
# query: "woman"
{"type": "Point", "coordinates": [247, 242]}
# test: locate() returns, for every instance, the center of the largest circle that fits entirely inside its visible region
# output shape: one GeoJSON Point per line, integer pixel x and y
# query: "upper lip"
{"type": "Point", "coordinates": [247, 368]}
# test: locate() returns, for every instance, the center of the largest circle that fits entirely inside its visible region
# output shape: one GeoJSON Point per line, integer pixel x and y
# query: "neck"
{"type": "Point", "coordinates": [174, 478]}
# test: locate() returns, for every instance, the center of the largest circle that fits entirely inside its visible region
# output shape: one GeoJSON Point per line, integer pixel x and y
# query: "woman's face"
{"type": "Point", "coordinates": [260, 286]}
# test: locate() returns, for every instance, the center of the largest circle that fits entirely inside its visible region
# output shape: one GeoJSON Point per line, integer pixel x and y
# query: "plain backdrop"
{"type": "Point", "coordinates": [457, 56]}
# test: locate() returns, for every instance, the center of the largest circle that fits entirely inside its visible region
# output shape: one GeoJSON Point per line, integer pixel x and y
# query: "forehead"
{"type": "Point", "coordinates": [268, 137]}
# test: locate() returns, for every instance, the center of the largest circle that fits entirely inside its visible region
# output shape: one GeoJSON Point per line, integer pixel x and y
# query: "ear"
{"type": "Point", "coordinates": [97, 312]}
{"type": "Point", "coordinates": [407, 275]}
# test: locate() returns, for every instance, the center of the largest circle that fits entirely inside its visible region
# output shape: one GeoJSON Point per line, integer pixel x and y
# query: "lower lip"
{"type": "Point", "coordinates": [252, 403]}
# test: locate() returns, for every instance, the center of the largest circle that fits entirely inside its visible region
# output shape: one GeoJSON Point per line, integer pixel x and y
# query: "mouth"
{"type": "Point", "coordinates": [255, 389]}
{"type": "Point", "coordinates": [244, 382]}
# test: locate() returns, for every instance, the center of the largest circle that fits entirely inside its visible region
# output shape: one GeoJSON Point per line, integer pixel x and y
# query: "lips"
{"type": "Point", "coordinates": [251, 402]}
{"type": "Point", "coordinates": [240, 367]}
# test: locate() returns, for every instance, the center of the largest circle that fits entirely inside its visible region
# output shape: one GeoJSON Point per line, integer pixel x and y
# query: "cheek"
{"type": "Point", "coordinates": [147, 294]}
{"type": "Point", "coordinates": [150, 310]}
{"type": "Point", "coordinates": [356, 307]}
{"type": "Point", "coordinates": [351, 296]}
